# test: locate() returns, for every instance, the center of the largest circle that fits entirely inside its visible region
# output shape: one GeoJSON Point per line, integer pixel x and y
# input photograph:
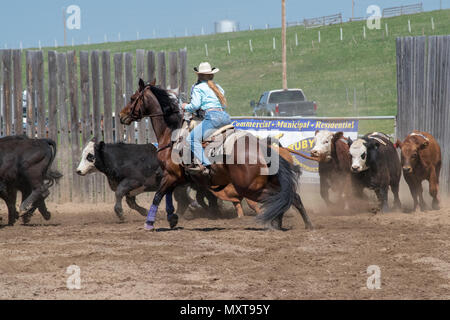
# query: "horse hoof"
{"type": "Point", "coordinates": [143, 213]}
{"type": "Point", "coordinates": [195, 205]}
{"type": "Point", "coordinates": [309, 227]}
{"type": "Point", "coordinates": [26, 218]}
{"type": "Point", "coordinates": [435, 205]}
{"type": "Point", "coordinates": [385, 209]}
{"type": "Point", "coordinates": [276, 225]}
{"type": "Point", "coordinates": [173, 220]}
{"type": "Point", "coordinates": [149, 227]}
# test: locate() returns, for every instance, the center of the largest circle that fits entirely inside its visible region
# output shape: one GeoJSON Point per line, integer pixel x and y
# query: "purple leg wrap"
{"type": "Point", "coordinates": [151, 216]}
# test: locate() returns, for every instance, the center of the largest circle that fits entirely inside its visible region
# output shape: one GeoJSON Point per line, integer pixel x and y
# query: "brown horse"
{"type": "Point", "coordinates": [276, 190]}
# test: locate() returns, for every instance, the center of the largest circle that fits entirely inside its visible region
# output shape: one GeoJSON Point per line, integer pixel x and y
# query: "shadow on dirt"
{"type": "Point", "coordinates": [211, 229]}
{"type": "Point", "coordinates": [41, 225]}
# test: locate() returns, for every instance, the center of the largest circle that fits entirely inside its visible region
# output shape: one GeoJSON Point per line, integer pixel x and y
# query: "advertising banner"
{"type": "Point", "coordinates": [298, 135]}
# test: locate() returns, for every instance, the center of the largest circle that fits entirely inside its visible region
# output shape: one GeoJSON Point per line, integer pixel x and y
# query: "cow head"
{"type": "Point", "coordinates": [410, 152]}
{"type": "Point", "coordinates": [323, 144]}
{"type": "Point", "coordinates": [87, 162]}
{"type": "Point", "coordinates": [363, 153]}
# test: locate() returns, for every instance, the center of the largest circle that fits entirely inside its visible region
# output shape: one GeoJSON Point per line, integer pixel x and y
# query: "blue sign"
{"type": "Point", "coordinates": [296, 125]}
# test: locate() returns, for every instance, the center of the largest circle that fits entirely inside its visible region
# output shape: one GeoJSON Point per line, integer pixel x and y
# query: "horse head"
{"type": "Point", "coordinates": [142, 103]}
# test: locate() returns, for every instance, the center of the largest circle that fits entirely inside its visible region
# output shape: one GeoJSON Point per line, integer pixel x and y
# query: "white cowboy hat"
{"type": "Point", "coordinates": [205, 68]}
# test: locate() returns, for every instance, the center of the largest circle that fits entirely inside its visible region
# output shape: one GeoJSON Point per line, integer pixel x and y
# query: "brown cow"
{"type": "Point", "coordinates": [421, 160]}
{"type": "Point", "coordinates": [332, 150]}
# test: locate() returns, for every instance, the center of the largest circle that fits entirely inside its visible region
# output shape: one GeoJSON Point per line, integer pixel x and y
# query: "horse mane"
{"type": "Point", "coordinates": [169, 106]}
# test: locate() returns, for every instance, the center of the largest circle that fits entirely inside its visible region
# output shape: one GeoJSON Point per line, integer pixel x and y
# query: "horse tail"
{"type": "Point", "coordinates": [279, 201]}
{"type": "Point", "coordinates": [51, 175]}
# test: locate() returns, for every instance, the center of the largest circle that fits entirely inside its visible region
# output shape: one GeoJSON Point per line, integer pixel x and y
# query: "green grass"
{"type": "Point", "coordinates": [325, 71]}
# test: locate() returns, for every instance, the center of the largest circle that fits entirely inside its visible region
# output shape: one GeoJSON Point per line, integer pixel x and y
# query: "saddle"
{"type": "Point", "coordinates": [217, 145]}
{"type": "Point", "coordinates": [193, 121]}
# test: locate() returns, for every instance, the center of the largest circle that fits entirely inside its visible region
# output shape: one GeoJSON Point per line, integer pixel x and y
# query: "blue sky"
{"type": "Point", "coordinates": [29, 21]}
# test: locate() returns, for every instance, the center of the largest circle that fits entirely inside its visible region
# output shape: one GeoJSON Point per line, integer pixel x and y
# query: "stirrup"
{"type": "Point", "coordinates": [193, 168]}
{"type": "Point", "coordinates": [199, 169]}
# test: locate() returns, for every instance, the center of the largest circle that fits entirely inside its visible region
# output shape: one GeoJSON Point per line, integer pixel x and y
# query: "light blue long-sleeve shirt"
{"type": "Point", "coordinates": [202, 97]}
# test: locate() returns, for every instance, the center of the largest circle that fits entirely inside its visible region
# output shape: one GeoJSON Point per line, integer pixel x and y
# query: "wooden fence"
{"type": "Point", "coordinates": [423, 80]}
{"type": "Point", "coordinates": [399, 11]}
{"type": "Point", "coordinates": [72, 97]}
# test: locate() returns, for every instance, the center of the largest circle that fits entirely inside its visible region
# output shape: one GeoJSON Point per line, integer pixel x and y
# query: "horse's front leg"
{"type": "Point", "coordinates": [171, 216]}
{"type": "Point", "coordinates": [165, 189]}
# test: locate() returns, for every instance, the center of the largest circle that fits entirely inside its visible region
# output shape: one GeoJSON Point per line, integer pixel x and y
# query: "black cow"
{"type": "Point", "coordinates": [376, 165]}
{"type": "Point", "coordinates": [25, 166]}
{"type": "Point", "coordinates": [132, 169]}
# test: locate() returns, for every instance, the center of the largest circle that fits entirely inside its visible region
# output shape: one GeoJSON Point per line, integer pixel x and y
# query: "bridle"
{"type": "Point", "coordinates": [135, 118]}
{"type": "Point", "coordinates": [135, 103]}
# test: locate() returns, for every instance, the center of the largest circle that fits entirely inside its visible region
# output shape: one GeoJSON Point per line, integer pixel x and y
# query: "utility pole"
{"type": "Point", "coordinates": [283, 43]}
{"type": "Point", "coordinates": [353, 10]}
{"type": "Point", "coordinates": [64, 25]}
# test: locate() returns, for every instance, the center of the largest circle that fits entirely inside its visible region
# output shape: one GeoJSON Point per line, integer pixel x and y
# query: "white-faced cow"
{"type": "Point", "coordinates": [132, 169]}
{"type": "Point", "coordinates": [332, 151]}
{"type": "Point", "coordinates": [25, 166]}
{"type": "Point", "coordinates": [375, 165]}
{"type": "Point", "coordinates": [421, 160]}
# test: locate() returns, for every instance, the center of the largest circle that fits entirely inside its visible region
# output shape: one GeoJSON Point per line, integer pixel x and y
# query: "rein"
{"type": "Point", "coordinates": [169, 145]}
{"type": "Point", "coordinates": [303, 155]}
{"type": "Point", "coordinates": [135, 118]}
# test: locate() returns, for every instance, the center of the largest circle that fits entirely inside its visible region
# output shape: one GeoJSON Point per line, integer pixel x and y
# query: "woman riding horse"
{"type": "Point", "coordinates": [272, 183]}
{"type": "Point", "coordinates": [209, 97]}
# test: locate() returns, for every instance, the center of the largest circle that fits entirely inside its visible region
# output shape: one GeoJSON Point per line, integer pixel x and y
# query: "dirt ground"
{"type": "Point", "coordinates": [212, 258]}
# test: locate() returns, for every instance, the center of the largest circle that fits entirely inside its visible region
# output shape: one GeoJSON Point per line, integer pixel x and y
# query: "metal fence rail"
{"type": "Point", "coordinates": [322, 21]}
{"type": "Point", "coordinates": [398, 11]}
{"type": "Point", "coordinates": [423, 84]}
{"type": "Point", "coordinates": [294, 24]}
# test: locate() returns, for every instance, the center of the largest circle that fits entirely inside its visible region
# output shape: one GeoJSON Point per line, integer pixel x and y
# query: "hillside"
{"type": "Point", "coordinates": [330, 72]}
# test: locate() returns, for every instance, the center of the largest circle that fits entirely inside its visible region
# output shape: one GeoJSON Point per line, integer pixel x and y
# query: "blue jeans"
{"type": "Point", "coordinates": [213, 121]}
